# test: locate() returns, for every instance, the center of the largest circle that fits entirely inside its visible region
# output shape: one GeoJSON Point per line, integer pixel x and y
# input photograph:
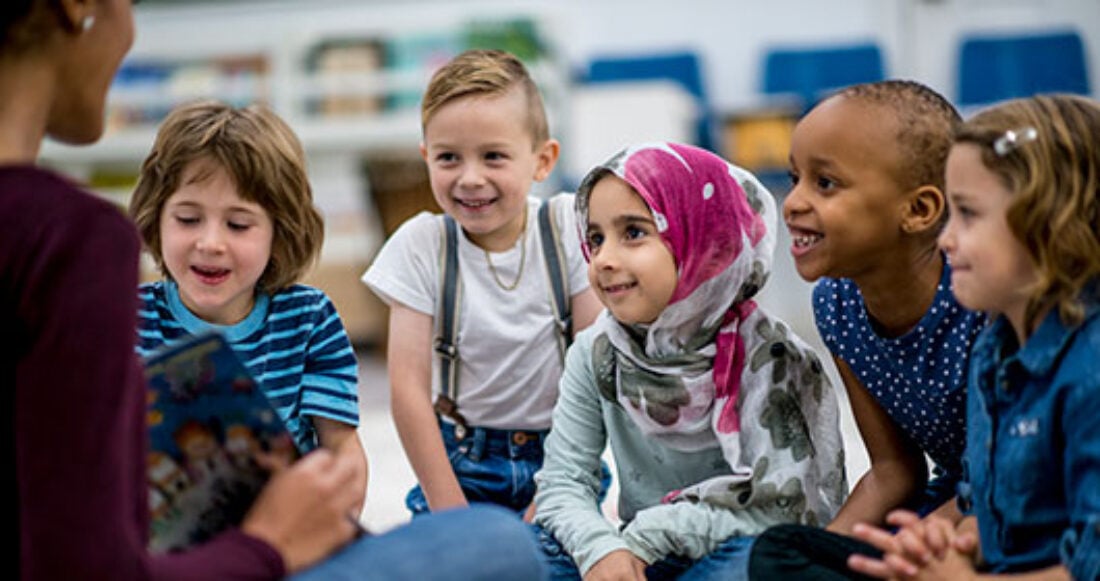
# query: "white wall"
{"type": "Point", "coordinates": [933, 30]}
{"type": "Point", "coordinates": [730, 36]}
{"type": "Point", "coordinates": [920, 38]}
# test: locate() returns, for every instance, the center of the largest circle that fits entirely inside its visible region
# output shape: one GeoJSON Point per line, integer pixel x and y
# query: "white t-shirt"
{"type": "Point", "coordinates": [509, 365]}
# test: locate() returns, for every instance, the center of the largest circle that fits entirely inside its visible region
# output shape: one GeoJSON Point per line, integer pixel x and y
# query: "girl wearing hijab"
{"type": "Point", "coordinates": [720, 419]}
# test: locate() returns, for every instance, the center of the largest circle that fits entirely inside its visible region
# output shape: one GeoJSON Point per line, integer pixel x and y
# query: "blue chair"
{"type": "Point", "coordinates": [682, 67]}
{"type": "Point", "coordinates": [994, 68]}
{"type": "Point", "coordinates": [810, 73]}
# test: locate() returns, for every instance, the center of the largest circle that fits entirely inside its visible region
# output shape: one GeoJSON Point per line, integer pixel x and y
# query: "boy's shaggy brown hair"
{"type": "Point", "coordinates": [266, 162]}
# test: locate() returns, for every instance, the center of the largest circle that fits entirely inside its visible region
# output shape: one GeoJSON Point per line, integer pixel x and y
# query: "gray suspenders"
{"type": "Point", "coordinates": [559, 281]}
{"type": "Point", "coordinates": [445, 341]}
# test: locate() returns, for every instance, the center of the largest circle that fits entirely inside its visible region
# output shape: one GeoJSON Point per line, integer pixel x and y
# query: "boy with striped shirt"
{"type": "Point", "coordinates": [224, 206]}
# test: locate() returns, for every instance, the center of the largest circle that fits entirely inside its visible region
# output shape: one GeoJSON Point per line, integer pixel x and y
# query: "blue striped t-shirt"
{"type": "Point", "coordinates": [292, 342]}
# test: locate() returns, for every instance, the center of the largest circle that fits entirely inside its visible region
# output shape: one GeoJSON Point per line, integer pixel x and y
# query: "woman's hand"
{"type": "Point", "coordinates": [306, 511]}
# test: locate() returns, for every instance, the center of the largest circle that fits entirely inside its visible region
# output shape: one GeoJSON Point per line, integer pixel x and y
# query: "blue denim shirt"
{"type": "Point", "coordinates": [1031, 473]}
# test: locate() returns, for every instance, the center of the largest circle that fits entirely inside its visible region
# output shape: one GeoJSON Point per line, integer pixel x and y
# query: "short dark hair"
{"type": "Point", "coordinates": [926, 125]}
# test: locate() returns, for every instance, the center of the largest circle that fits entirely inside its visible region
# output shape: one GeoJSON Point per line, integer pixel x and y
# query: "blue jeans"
{"type": "Point", "coordinates": [481, 542]}
{"type": "Point", "coordinates": [729, 562]}
{"type": "Point", "coordinates": [492, 466]}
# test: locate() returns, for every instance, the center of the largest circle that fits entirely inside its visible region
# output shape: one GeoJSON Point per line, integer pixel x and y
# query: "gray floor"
{"type": "Point", "coordinates": [390, 473]}
{"type": "Point", "coordinates": [786, 296]}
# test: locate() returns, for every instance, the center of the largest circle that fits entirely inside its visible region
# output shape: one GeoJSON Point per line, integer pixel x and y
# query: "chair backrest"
{"type": "Point", "coordinates": [682, 67]}
{"type": "Point", "coordinates": [809, 73]}
{"type": "Point", "coordinates": [994, 68]}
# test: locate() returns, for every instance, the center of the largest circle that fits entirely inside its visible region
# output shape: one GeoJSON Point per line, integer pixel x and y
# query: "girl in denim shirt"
{"type": "Point", "coordinates": [1023, 181]}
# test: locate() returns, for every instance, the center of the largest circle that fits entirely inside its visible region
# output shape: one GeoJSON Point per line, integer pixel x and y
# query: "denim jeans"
{"type": "Point", "coordinates": [480, 542]}
{"type": "Point", "coordinates": [492, 466]}
{"type": "Point", "coordinates": [729, 562]}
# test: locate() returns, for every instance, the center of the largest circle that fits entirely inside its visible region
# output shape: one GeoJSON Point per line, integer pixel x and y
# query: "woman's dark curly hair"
{"type": "Point", "coordinates": [23, 22]}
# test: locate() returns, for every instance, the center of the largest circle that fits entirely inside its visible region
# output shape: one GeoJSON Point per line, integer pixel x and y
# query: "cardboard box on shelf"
{"type": "Point", "coordinates": [364, 315]}
{"type": "Point", "coordinates": [760, 139]}
{"type": "Point", "coordinates": [400, 189]}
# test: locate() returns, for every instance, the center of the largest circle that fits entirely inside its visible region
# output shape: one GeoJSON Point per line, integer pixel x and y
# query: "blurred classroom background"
{"type": "Point", "coordinates": [729, 75]}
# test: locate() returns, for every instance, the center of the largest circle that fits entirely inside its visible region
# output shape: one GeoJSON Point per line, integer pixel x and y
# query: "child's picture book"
{"type": "Point", "coordinates": [207, 420]}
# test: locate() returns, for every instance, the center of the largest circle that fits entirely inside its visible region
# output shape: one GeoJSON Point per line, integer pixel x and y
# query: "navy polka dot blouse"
{"type": "Point", "coordinates": [919, 378]}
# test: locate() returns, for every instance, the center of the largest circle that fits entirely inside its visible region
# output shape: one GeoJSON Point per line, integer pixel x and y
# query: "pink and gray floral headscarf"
{"type": "Point", "coordinates": [714, 369]}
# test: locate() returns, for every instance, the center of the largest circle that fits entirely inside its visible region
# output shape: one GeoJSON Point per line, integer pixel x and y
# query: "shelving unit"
{"type": "Point", "coordinates": [312, 63]}
{"type": "Point", "coordinates": [275, 53]}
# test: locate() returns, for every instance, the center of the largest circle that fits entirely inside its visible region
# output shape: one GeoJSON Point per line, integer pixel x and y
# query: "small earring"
{"type": "Point", "coordinates": [87, 23]}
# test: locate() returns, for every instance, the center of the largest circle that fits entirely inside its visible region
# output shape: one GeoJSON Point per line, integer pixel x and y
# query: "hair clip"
{"type": "Point", "coordinates": [1013, 139]}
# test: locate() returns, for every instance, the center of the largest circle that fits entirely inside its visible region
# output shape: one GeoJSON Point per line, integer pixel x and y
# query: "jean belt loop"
{"type": "Point", "coordinates": [477, 447]}
{"type": "Point", "coordinates": [520, 442]}
{"type": "Point", "coordinates": [516, 440]}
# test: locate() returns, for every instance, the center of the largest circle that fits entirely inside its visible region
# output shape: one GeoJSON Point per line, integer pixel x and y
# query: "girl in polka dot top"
{"type": "Point", "coordinates": [864, 212]}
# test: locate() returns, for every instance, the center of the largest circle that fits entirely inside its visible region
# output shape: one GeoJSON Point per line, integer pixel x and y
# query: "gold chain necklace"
{"type": "Point", "coordinates": [522, 261]}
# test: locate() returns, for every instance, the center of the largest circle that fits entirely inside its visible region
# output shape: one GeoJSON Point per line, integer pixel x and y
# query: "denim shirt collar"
{"type": "Point", "coordinates": [1043, 349]}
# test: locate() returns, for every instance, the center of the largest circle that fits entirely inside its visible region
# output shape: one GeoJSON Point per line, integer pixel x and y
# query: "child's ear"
{"type": "Point", "coordinates": [924, 210]}
{"type": "Point", "coordinates": [547, 155]}
{"type": "Point", "coordinates": [423, 151]}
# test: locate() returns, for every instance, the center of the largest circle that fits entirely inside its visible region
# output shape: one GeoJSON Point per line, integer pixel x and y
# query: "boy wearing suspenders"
{"type": "Point", "coordinates": [483, 300]}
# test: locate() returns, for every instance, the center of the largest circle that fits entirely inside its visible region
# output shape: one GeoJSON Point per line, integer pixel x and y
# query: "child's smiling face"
{"type": "Point", "coordinates": [215, 244]}
{"type": "Point", "coordinates": [846, 204]}
{"type": "Point", "coordinates": [990, 269]}
{"type": "Point", "coordinates": [631, 269]}
{"type": "Point", "coordinates": [482, 160]}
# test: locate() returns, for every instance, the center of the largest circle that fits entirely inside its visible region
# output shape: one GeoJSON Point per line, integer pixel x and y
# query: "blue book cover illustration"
{"type": "Point", "coordinates": [208, 418]}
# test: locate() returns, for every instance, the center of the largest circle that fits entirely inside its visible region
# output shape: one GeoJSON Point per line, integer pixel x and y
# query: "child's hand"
{"type": "Point", "coordinates": [273, 462]}
{"type": "Point", "coordinates": [954, 565]}
{"type": "Point", "coordinates": [529, 514]}
{"type": "Point", "coordinates": [917, 543]}
{"type": "Point", "coordinates": [617, 565]}
{"type": "Point", "coordinates": [904, 552]}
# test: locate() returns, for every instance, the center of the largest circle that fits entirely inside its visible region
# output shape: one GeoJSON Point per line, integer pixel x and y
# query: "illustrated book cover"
{"type": "Point", "coordinates": [208, 418]}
